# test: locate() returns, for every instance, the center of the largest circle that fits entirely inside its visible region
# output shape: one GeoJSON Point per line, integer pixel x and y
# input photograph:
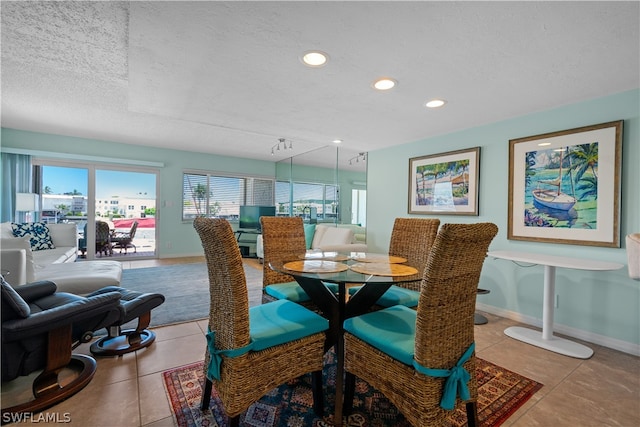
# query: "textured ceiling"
{"type": "Point", "coordinates": [225, 77]}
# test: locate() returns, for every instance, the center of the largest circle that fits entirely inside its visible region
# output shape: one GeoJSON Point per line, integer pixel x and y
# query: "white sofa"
{"type": "Point", "coordinates": [23, 265]}
{"type": "Point", "coordinates": [329, 238]}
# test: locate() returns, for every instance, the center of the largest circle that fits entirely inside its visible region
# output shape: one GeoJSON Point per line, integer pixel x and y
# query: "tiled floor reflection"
{"type": "Point", "coordinates": [128, 390]}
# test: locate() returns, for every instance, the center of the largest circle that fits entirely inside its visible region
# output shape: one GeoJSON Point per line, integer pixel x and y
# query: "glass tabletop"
{"type": "Point", "coordinates": [336, 268]}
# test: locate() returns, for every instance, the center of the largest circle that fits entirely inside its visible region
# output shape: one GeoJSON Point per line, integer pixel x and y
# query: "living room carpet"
{"type": "Point", "coordinates": [185, 288]}
{"type": "Point", "coordinates": [500, 393]}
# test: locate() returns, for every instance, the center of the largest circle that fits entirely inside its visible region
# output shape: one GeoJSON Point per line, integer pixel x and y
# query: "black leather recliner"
{"type": "Point", "coordinates": [40, 329]}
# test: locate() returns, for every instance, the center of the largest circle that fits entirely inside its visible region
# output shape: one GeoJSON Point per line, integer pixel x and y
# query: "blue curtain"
{"type": "Point", "coordinates": [16, 178]}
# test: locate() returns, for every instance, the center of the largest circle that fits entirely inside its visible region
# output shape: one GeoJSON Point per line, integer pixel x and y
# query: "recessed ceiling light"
{"type": "Point", "coordinates": [314, 58]}
{"type": "Point", "coordinates": [436, 103]}
{"type": "Point", "coordinates": [384, 83]}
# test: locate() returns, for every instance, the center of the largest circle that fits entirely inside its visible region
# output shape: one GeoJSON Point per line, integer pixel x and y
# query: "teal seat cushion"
{"type": "Point", "coordinates": [282, 321]}
{"type": "Point", "coordinates": [395, 295]}
{"type": "Point", "coordinates": [287, 291]}
{"type": "Point", "coordinates": [391, 330]}
{"type": "Point", "coordinates": [292, 291]}
{"type": "Point", "coordinates": [333, 287]}
{"type": "Point", "coordinates": [309, 231]}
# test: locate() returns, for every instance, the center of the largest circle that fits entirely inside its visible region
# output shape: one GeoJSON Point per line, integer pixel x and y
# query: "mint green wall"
{"type": "Point", "coordinates": [176, 238]}
{"type": "Point", "coordinates": [596, 306]}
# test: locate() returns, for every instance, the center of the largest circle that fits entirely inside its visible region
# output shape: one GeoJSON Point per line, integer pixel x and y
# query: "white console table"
{"type": "Point", "coordinates": [546, 339]}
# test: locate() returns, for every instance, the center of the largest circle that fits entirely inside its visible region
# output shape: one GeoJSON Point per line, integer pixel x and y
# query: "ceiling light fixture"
{"type": "Point", "coordinates": [337, 141]}
{"type": "Point", "coordinates": [384, 83]}
{"type": "Point", "coordinates": [314, 58]}
{"type": "Point", "coordinates": [357, 158]}
{"type": "Point", "coordinates": [435, 103]}
{"type": "Point", "coordinates": [276, 147]}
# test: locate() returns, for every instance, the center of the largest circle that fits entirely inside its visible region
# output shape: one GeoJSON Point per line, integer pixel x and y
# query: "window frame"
{"type": "Point", "coordinates": [246, 195]}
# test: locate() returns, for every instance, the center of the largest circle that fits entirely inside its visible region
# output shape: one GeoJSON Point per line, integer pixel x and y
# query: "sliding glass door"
{"type": "Point", "coordinates": [124, 198]}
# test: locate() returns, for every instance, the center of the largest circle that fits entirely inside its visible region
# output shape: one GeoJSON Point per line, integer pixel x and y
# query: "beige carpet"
{"type": "Point", "coordinates": [186, 290]}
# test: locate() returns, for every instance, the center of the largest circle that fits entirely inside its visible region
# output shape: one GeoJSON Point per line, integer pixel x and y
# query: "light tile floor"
{"type": "Point", "coordinates": [128, 391]}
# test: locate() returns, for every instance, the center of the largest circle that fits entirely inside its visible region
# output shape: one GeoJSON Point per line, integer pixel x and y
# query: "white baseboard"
{"type": "Point", "coordinates": [181, 255]}
{"type": "Point", "coordinates": [616, 344]}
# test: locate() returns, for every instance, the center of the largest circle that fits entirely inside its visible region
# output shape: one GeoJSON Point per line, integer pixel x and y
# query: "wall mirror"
{"type": "Point", "coordinates": [326, 185]}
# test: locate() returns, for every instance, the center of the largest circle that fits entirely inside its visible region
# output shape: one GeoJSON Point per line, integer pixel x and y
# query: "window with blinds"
{"type": "Point", "coordinates": [216, 195]}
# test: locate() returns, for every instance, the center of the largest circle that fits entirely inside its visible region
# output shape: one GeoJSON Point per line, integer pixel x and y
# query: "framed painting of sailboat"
{"type": "Point", "coordinates": [564, 187]}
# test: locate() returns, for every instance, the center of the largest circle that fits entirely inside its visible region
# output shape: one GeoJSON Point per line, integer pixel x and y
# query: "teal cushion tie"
{"type": "Point", "coordinates": [213, 370]}
{"type": "Point", "coordinates": [457, 379]}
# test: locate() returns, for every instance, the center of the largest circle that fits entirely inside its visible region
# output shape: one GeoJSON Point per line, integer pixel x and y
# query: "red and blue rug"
{"type": "Point", "coordinates": [500, 393]}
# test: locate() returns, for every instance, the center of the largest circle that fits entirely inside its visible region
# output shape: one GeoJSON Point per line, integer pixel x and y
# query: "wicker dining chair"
{"type": "Point", "coordinates": [283, 240]}
{"type": "Point", "coordinates": [411, 238]}
{"type": "Point", "coordinates": [252, 350]}
{"type": "Point", "coordinates": [406, 354]}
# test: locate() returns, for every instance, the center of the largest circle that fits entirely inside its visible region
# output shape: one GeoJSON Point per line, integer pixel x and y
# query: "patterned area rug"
{"type": "Point", "coordinates": [501, 392]}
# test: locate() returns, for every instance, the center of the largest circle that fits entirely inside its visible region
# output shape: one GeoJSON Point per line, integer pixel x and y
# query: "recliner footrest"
{"type": "Point", "coordinates": [134, 305]}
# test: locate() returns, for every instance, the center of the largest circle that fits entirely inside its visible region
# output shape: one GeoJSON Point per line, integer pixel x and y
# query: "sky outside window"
{"type": "Point", "coordinates": [65, 180]}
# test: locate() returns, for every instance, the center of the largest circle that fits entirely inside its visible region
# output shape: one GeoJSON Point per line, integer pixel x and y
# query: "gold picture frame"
{"type": "Point", "coordinates": [445, 183]}
{"type": "Point", "coordinates": [564, 187]}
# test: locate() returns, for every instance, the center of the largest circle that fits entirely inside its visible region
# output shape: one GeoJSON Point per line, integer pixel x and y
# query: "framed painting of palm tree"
{"type": "Point", "coordinates": [445, 183]}
{"type": "Point", "coordinates": [564, 187]}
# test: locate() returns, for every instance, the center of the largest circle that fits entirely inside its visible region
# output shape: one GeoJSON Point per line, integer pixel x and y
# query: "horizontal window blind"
{"type": "Point", "coordinates": [217, 195]}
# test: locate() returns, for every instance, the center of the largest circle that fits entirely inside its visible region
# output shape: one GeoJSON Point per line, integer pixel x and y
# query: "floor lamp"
{"type": "Point", "coordinates": [28, 203]}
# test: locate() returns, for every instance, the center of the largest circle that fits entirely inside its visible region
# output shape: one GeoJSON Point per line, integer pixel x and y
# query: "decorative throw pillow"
{"type": "Point", "coordinates": [317, 235]}
{"type": "Point", "coordinates": [309, 231]}
{"type": "Point", "coordinates": [337, 236]}
{"type": "Point", "coordinates": [38, 233]}
{"type": "Point", "coordinates": [6, 231]}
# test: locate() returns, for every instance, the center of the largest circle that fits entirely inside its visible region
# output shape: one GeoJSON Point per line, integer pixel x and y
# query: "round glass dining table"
{"type": "Point", "coordinates": [376, 272]}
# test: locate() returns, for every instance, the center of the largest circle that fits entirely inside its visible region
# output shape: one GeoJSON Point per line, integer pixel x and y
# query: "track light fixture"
{"type": "Point", "coordinates": [283, 142]}
{"type": "Point", "coordinates": [360, 156]}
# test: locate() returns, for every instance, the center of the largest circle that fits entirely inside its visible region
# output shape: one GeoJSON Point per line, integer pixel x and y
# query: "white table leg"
{"type": "Point", "coordinates": [547, 303]}
{"type": "Point", "coordinates": [546, 339]}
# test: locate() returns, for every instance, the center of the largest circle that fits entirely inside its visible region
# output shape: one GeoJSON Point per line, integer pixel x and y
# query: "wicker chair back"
{"type": "Point", "coordinates": [283, 240]}
{"type": "Point", "coordinates": [229, 309]}
{"type": "Point", "coordinates": [412, 238]}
